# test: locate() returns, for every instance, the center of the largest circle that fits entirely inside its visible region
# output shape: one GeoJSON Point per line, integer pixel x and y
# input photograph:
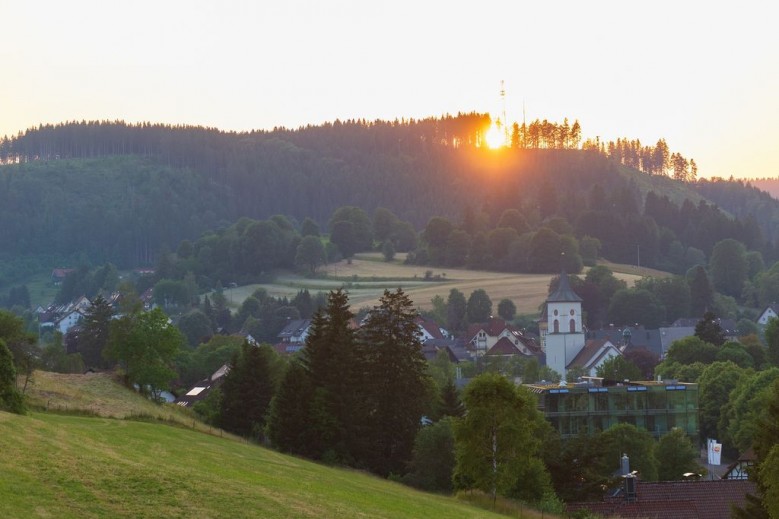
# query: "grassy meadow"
{"type": "Point", "coordinates": [368, 275]}
{"type": "Point", "coordinates": [99, 459]}
{"type": "Point", "coordinates": [82, 467]}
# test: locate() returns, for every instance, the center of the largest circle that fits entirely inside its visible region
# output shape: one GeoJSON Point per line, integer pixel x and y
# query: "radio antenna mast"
{"type": "Point", "coordinates": [503, 102]}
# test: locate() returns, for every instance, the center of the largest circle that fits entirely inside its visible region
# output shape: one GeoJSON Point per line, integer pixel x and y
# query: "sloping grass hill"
{"type": "Point", "coordinates": [94, 459]}
{"type": "Point", "coordinates": [81, 467]}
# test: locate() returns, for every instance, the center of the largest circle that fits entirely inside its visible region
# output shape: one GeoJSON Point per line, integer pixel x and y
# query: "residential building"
{"type": "Point", "coordinates": [497, 337]}
{"type": "Point", "coordinates": [293, 336]}
{"type": "Point", "coordinates": [702, 499]}
{"type": "Point", "coordinates": [769, 312]}
{"type": "Point", "coordinates": [201, 390]}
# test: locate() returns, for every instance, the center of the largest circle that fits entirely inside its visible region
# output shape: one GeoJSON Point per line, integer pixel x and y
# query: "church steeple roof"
{"type": "Point", "coordinates": [564, 292]}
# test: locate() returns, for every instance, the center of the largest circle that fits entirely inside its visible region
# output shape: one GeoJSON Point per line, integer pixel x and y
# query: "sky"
{"type": "Point", "coordinates": [702, 75]}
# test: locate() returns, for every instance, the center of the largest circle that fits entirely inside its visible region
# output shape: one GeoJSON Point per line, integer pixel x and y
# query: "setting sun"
{"type": "Point", "coordinates": [494, 137]}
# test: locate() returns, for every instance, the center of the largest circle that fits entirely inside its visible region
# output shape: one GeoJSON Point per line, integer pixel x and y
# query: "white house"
{"type": "Point", "coordinates": [68, 321]}
{"type": "Point", "coordinates": [771, 312]}
{"type": "Point", "coordinates": [484, 337]}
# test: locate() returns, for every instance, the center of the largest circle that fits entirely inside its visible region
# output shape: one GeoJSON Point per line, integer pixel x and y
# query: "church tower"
{"type": "Point", "coordinates": [564, 337]}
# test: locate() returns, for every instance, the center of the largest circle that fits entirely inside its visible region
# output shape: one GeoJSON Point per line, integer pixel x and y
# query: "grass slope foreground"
{"type": "Point", "coordinates": [63, 465]}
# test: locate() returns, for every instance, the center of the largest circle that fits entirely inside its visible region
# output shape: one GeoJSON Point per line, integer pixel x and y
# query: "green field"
{"type": "Point", "coordinates": [69, 466]}
{"type": "Point", "coordinates": [167, 465]}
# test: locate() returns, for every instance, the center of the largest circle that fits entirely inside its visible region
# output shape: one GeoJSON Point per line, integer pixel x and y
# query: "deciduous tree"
{"type": "Point", "coordinates": [497, 436]}
{"type": "Point", "coordinates": [145, 345]}
{"type": "Point", "coordinates": [310, 254]}
{"type": "Point", "coordinates": [10, 398]}
{"type": "Point", "coordinates": [507, 310]}
{"type": "Point", "coordinates": [676, 456]}
{"type": "Point", "coordinates": [479, 307]}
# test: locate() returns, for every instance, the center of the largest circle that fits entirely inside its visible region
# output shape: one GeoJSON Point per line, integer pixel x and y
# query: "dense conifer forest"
{"type": "Point", "coordinates": [96, 192]}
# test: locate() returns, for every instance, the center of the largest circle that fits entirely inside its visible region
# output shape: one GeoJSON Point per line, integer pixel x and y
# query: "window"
{"type": "Point", "coordinates": [556, 326]}
{"type": "Point", "coordinates": [572, 325]}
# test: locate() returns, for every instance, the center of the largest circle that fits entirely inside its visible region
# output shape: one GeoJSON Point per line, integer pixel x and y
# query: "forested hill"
{"type": "Point", "coordinates": [115, 192]}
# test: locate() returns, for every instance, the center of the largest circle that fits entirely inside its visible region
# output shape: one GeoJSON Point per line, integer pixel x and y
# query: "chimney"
{"type": "Point", "coordinates": [630, 479]}
{"type": "Point", "coordinates": [624, 465]}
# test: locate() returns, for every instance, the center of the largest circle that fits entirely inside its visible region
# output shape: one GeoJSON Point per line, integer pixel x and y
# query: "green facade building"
{"type": "Point", "coordinates": [590, 407]}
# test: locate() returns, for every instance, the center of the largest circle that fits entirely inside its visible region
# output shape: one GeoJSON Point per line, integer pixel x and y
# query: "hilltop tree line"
{"type": "Point", "coordinates": [96, 192]}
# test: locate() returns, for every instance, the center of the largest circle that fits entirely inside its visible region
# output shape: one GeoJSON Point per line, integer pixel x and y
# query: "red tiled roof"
{"type": "Point", "coordinates": [61, 273]}
{"type": "Point", "coordinates": [504, 347]}
{"type": "Point", "coordinates": [430, 327]}
{"type": "Point", "coordinates": [675, 500]}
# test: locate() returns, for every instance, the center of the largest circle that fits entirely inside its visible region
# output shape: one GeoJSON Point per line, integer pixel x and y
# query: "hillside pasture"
{"type": "Point", "coordinates": [368, 275]}
{"type": "Point", "coordinates": [85, 467]}
{"type": "Point", "coordinates": [100, 394]}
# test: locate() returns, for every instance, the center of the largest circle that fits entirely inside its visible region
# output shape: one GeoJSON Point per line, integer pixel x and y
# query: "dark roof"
{"type": "Point", "coordinates": [704, 499]}
{"type": "Point", "coordinates": [456, 347]}
{"type": "Point", "coordinates": [432, 347]}
{"type": "Point", "coordinates": [294, 328]}
{"type": "Point", "coordinates": [201, 390]}
{"type": "Point", "coordinates": [728, 325]}
{"type": "Point", "coordinates": [564, 292]}
{"type": "Point", "coordinates": [640, 337]}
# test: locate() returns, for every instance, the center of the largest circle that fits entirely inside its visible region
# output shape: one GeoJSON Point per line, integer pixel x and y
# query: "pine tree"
{"type": "Point", "coordinates": [290, 413]}
{"type": "Point", "coordinates": [708, 329]}
{"type": "Point", "coordinates": [247, 391]}
{"type": "Point", "coordinates": [396, 385]}
{"type": "Point", "coordinates": [95, 331]}
{"type": "Point", "coordinates": [330, 361]}
{"type": "Point", "coordinates": [451, 405]}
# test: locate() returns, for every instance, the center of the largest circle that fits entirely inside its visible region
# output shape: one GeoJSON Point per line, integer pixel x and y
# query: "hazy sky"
{"type": "Point", "coordinates": [703, 75]}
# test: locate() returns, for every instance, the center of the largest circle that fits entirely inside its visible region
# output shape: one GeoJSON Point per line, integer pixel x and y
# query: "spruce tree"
{"type": "Point", "coordinates": [329, 358]}
{"type": "Point", "coordinates": [247, 391]}
{"type": "Point", "coordinates": [290, 413]}
{"type": "Point", "coordinates": [95, 332]}
{"type": "Point", "coordinates": [451, 405]}
{"type": "Point", "coordinates": [396, 387]}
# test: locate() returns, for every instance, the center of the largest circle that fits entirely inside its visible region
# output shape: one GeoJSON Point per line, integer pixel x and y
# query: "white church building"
{"type": "Point", "coordinates": [563, 336]}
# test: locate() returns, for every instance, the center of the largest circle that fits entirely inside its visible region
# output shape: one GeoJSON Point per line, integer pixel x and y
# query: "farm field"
{"type": "Point", "coordinates": [368, 276]}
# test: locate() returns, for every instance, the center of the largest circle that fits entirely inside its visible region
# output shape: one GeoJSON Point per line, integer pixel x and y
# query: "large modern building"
{"type": "Point", "coordinates": [591, 406]}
